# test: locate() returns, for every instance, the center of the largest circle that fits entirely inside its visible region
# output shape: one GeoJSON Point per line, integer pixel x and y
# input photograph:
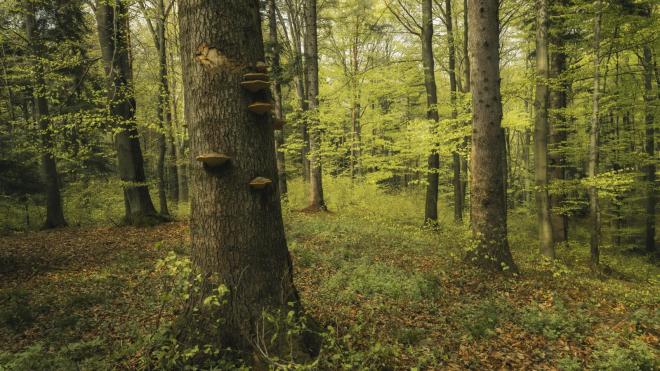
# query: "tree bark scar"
{"type": "Point", "coordinates": [213, 59]}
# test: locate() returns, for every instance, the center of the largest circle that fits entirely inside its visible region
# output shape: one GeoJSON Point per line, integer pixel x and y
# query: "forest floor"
{"type": "Point", "coordinates": [396, 296]}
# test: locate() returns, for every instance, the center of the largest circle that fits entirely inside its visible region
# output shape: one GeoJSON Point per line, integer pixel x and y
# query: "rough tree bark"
{"type": "Point", "coordinates": [488, 199]}
{"type": "Point", "coordinates": [594, 208]}
{"type": "Point", "coordinates": [456, 158]}
{"type": "Point", "coordinates": [54, 211]}
{"type": "Point", "coordinates": [546, 242]}
{"type": "Point", "coordinates": [112, 26]}
{"type": "Point", "coordinates": [431, 205]}
{"type": "Point", "coordinates": [316, 200]}
{"type": "Point", "coordinates": [237, 232]}
{"type": "Point", "coordinates": [277, 95]}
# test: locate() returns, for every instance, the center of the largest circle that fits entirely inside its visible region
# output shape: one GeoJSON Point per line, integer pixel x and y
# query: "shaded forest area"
{"type": "Point", "coordinates": [334, 184]}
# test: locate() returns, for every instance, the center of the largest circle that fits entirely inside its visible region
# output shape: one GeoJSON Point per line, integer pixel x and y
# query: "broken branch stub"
{"type": "Point", "coordinates": [255, 85]}
{"type": "Point", "coordinates": [278, 124]}
{"type": "Point", "coordinates": [211, 58]}
{"type": "Point", "coordinates": [260, 108]}
{"type": "Point", "coordinates": [260, 183]}
{"type": "Point", "coordinates": [213, 159]}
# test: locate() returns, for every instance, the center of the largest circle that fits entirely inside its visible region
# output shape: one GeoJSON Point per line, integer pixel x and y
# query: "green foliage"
{"type": "Point", "coordinates": [555, 321]}
{"type": "Point", "coordinates": [634, 355]}
{"type": "Point", "coordinates": [481, 319]}
{"type": "Point", "coordinates": [16, 310]}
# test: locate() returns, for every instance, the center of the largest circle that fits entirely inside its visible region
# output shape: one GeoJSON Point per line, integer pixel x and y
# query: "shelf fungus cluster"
{"type": "Point", "coordinates": [213, 159]}
{"type": "Point", "coordinates": [260, 183]}
{"type": "Point", "coordinates": [257, 83]}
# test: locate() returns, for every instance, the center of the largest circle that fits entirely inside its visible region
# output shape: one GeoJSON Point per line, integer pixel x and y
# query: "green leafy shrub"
{"type": "Point", "coordinates": [555, 322]}
{"type": "Point", "coordinates": [16, 309]}
{"type": "Point", "coordinates": [569, 364]}
{"type": "Point", "coordinates": [480, 320]}
{"type": "Point", "coordinates": [635, 355]}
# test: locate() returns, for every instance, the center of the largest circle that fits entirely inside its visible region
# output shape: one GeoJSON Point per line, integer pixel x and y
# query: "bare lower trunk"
{"type": "Point", "coordinates": [431, 208]}
{"type": "Point", "coordinates": [546, 242]}
{"type": "Point", "coordinates": [237, 232]}
{"type": "Point", "coordinates": [488, 200]}
{"type": "Point", "coordinates": [112, 24]}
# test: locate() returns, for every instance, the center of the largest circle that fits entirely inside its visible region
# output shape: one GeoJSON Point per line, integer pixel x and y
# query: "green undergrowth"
{"type": "Point", "coordinates": [388, 293]}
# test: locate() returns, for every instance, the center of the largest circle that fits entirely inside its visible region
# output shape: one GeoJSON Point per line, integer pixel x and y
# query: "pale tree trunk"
{"type": "Point", "coordinates": [54, 209]}
{"type": "Point", "coordinates": [546, 242]}
{"type": "Point", "coordinates": [431, 204]}
{"type": "Point", "coordinates": [237, 232]}
{"type": "Point", "coordinates": [649, 169]}
{"type": "Point", "coordinates": [356, 109]}
{"type": "Point", "coordinates": [277, 96]}
{"type": "Point", "coordinates": [456, 158]}
{"type": "Point", "coordinates": [594, 208]}
{"type": "Point", "coordinates": [558, 127]}
{"type": "Point", "coordinates": [316, 200]}
{"type": "Point", "coordinates": [112, 25]}
{"type": "Point", "coordinates": [488, 198]}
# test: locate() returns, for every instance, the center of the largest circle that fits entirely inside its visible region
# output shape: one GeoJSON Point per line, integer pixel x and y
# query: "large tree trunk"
{"type": "Point", "coordinates": [277, 96]}
{"type": "Point", "coordinates": [316, 200]}
{"type": "Point", "coordinates": [649, 169]}
{"type": "Point", "coordinates": [456, 158]}
{"type": "Point", "coordinates": [431, 209]}
{"type": "Point", "coordinates": [547, 247]}
{"type": "Point", "coordinates": [237, 232]}
{"type": "Point", "coordinates": [54, 210]}
{"type": "Point", "coordinates": [488, 199]}
{"type": "Point", "coordinates": [112, 25]}
{"type": "Point", "coordinates": [594, 209]}
{"type": "Point", "coordinates": [558, 127]}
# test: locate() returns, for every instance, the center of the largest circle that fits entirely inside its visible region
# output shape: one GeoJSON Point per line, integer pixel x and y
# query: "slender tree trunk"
{"type": "Point", "coordinates": [237, 232]}
{"type": "Point", "coordinates": [54, 209]}
{"type": "Point", "coordinates": [431, 209]}
{"type": "Point", "coordinates": [594, 211]}
{"type": "Point", "coordinates": [316, 200]}
{"type": "Point", "coordinates": [179, 138]}
{"type": "Point", "coordinates": [456, 158]}
{"type": "Point", "coordinates": [356, 110]}
{"type": "Point", "coordinates": [546, 242]}
{"type": "Point", "coordinates": [650, 168]}
{"type": "Point", "coordinates": [112, 25]}
{"type": "Point", "coordinates": [277, 96]}
{"type": "Point", "coordinates": [466, 53]}
{"type": "Point", "coordinates": [488, 200]}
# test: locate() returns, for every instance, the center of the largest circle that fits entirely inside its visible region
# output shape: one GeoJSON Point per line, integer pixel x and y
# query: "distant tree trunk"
{"type": "Point", "coordinates": [466, 53]}
{"type": "Point", "coordinates": [356, 129]}
{"type": "Point", "coordinates": [316, 200]}
{"type": "Point", "coordinates": [237, 232]}
{"type": "Point", "coordinates": [54, 210]}
{"type": "Point", "coordinates": [649, 169]}
{"type": "Point", "coordinates": [112, 25]}
{"type": "Point", "coordinates": [180, 145]}
{"type": "Point", "coordinates": [594, 209]}
{"type": "Point", "coordinates": [488, 200]}
{"type": "Point", "coordinates": [456, 158]}
{"type": "Point", "coordinates": [546, 242]}
{"type": "Point", "coordinates": [431, 209]}
{"type": "Point", "coordinates": [277, 96]}
{"type": "Point", "coordinates": [558, 103]}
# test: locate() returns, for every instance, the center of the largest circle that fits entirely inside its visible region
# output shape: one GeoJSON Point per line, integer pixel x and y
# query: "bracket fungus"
{"type": "Point", "coordinates": [255, 85]}
{"type": "Point", "coordinates": [260, 183]}
{"type": "Point", "coordinates": [255, 76]}
{"type": "Point", "coordinates": [260, 107]}
{"type": "Point", "coordinates": [278, 124]}
{"type": "Point", "coordinates": [261, 67]}
{"type": "Point", "coordinates": [213, 159]}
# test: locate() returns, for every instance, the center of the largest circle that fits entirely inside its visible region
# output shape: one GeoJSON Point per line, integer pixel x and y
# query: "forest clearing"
{"type": "Point", "coordinates": [329, 185]}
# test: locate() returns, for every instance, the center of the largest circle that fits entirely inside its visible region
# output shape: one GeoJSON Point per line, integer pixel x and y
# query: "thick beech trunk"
{"type": "Point", "coordinates": [431, 208]}
{"type": "Point", "coordinates": [112, 25]}
{"type": "Point", "coordinates": [277, 95]}
{"type": "Point", "coordinates": [54, 210]}
{"type": "Point", "coordinates": [488, 199]}
{"type": "Point", "coordinates": [316, 200]}
{"type": "Point", "coordinates": [237, 232]}
{"type": "Point", "coordinates": [546, 242]}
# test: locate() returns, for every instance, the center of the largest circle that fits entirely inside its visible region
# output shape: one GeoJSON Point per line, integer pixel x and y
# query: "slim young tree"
{"type": "Point", "coordinates": [649, 147]}
{"type": "Point", "coordinates": [277, 95]}
{"type": "Point", "coordinates": [546, 242]}
{"type": "Point", "coordinates": [594, 208]}
{"type": "Point", "coordinates": [488, 199]}
{"type": "Point", "coordinates": [54, 210]}
{"type": "Point", "coordinates": [112, 25]}
{"type": "Point", "coordinates": [237, 232]}
{"type": "Point", "coordinates": [456, 158]}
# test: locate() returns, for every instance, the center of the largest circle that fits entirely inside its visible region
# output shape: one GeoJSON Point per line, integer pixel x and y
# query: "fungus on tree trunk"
{"type": "Point", "coordinates": [213, 159]}
{"type": "Point", "coordinates": [255, 86]}
{"type": "Point", "coordinates": [260, 107]}
{"type": "Point", "coordinates": [260, 183]}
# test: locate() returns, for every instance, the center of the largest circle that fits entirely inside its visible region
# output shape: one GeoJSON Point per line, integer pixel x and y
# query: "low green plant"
{"type": "Point", "coordinates": [633, 355]}
{"type": "Point", "coordinates": [482, 319]}
{"type": "Point", "coordinates": [555, 322]}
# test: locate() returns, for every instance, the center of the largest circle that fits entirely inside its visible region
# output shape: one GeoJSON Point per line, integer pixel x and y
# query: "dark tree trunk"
{"type": "Point", "coordinates": [594, 207]}
{"type": "Point", "coordinates": [316, 200]}
{"type": "Point", "coordinates": [488, 199]}
{"type": "Point", "coordinates": [547, 246]}
{"type": "Point", "coordinates": [112, 25]}
{"type": "Point", "coordinates": [456, 158]}
{"type": "Point", "coordinates": [54, 210]}
{"type": "Point", "coordinates": [277, 96]}
{"type": "Point", "coordinates": [649, 169]}
{"type": "Point", "coordinates": [431, 208]}
{"type": "Point", "coordinates": [237, 232]}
